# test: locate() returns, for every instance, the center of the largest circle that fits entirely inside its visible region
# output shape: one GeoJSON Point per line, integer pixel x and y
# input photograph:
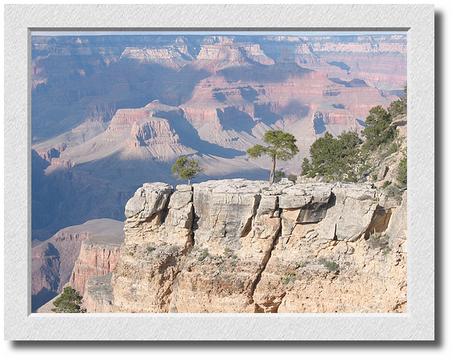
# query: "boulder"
{"type": "Point", "coordinates": [148, 200]}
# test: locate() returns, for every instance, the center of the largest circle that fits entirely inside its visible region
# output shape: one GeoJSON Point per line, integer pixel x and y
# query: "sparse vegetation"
{"type": "Point", "coordinates": [228, 252]}
{"type": "Point", "coordinates": [394, 191]}
{"type": "Point", "coordinates": [288, 278]}
{"type": "Point", "coordinates": [392, 148]}
{"type": "Point", "coordinates": [186, 168]}
{"type": "Point", "coordinates": [329, 265]}
{"type": "Point", "coordinates": [280, 146]}
{"type": "Point", "coordinates": [150, 249]}
{"type": "Point", "coordinates": [378, 240]}
{"type": "Point", "coordinates": [203, 255]}
{"type": "Point", "coordinates": [301, 264]}
{"type": "Point", "coordinates": [402, 172]}
{"type": "Point", "coordinates": [68, 302]}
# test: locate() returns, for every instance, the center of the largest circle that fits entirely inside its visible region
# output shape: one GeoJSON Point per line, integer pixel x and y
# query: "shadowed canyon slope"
{"type": "Point", "coordinates": [110, 113]}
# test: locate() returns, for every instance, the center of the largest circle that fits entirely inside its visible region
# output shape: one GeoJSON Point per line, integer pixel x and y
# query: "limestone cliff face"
{"type": "Point", "coordinates": [244, 246]}
{"type": "Point", "coordinates": [98, 256]}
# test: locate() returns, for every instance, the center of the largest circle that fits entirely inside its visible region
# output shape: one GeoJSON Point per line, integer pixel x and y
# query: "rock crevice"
{"type": "Point", "coordinates": [245, 246]}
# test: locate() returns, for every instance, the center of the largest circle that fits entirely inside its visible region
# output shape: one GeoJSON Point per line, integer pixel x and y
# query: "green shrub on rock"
{"type": "Point", "coordinates": [68, 302]}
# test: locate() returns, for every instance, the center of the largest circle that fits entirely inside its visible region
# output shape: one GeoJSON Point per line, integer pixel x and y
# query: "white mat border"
{"type": "Point", "coordinates": [416, 324]}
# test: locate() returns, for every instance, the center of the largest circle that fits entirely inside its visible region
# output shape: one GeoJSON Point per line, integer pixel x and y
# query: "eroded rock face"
{"type": "Point", "coordinates": [244, 246]}
{"type": "Point", "coordinates": [58, 260]}
{"type": "Point", "coordinates": [98, 256]}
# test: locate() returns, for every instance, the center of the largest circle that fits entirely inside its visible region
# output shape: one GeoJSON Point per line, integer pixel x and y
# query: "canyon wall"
{"type": "Point", "coordinates": [72, 255]}
{"type": "Point", "coordinates": [112, 112]}
{"type": "Point", "coordinates": [245, 246]}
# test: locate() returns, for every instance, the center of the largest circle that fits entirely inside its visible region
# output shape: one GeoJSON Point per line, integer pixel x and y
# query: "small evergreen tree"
{"type": "Point", "coordinates": [335, 159]}
{"type": "Point", "coordinates": [68, 302]}
{"type": "Point", "coordinates": [280, 146]}
{"type": "Point", "coordinates": [186, 168]}
{"type": "Point", "coordinates": [399, 107]}
{"type": "Point", "coordinates": [378, 130]}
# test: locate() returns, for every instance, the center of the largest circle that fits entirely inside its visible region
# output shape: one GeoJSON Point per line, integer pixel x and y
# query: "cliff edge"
{"type": "Point", "coordinates": [245, 246]}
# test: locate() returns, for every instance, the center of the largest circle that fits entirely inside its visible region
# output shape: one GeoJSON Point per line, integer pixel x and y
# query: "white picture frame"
{"type": "Point", "coordinates": [416, 324]}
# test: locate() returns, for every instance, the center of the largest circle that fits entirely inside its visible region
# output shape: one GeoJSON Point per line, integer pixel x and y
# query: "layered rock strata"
{"type": "Point", "coordinates": [244, 246]}
{"type": "Point", "coordinates": [98, 256]}
{"type": "Point", "coordinates": [72, 255]}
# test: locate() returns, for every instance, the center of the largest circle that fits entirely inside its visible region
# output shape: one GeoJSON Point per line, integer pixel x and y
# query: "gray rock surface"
{"type": "Point", "coordinates": [148, 200]}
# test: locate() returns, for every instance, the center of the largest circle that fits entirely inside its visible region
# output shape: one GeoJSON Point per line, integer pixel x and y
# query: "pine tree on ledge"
{"type": "Point", "coordinates": [281, 146]}
{"type": "Point", "coordinates": [186, 168]}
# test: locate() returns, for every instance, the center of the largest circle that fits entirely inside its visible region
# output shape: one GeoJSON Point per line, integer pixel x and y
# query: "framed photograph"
{"type": "Point", "coordinates": [208, 172]}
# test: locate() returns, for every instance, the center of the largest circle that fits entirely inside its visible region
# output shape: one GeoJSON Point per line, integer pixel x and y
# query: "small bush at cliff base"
{"type": "Point", "coordinates": [378, 240]}
{"type": "Point", "coordinates": [68, 302]}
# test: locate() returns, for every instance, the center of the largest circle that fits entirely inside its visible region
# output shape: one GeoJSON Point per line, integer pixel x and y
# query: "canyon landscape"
{"type": "Point", "coordinates": [111, 113]}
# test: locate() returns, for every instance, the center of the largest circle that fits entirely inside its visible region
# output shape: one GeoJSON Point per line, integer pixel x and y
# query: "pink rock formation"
{"type": "Point", "coordinates": [53, 260]}
{"type": "Point", "coordinates": [98, 256]}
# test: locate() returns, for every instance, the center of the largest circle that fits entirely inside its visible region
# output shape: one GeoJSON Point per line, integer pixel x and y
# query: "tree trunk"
{"type": "Point", "coordinates": [189, 181]}
{"type": "Point", "coordinates": [273, 170]}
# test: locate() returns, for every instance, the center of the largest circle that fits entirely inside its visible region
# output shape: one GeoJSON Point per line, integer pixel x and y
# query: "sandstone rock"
{"type": "Point", "coordinates": [98, 295]}
{"type": "Point", "coordinates": [349, 218]}
{"type": "Point", "coordinates": [98, 256]}
{"type": "Point", "coordinates": [148, 200]}
{"type": "Point", "coordinates": [230, 246]}
{"type": "Point", "coordinates": [224, 211]}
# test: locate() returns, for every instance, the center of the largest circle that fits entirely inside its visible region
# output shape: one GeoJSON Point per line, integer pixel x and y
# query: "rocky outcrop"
{"type": "Point", "coordinates": [244, 246]}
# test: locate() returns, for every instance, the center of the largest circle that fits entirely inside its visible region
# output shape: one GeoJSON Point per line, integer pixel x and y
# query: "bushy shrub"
{"type": "Point", "coordinates": [329, 265]}
{"type": "Point", "coordinates": [378, 130]}
{"type": "Point", "coordinates": [68, 302]}
{"type": "Point", "coordinates": [288, 278]}
{"type": "Point", "coordinates": [279, 175]}
{"type": "Point", "coordinates": [335, 159]}
{"type": "Point", "coordinates": [203, 255]}
{"type": "Point", "coordinates": [399, 107]}
{"type": "Point", "coordinates": [402, 172]}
